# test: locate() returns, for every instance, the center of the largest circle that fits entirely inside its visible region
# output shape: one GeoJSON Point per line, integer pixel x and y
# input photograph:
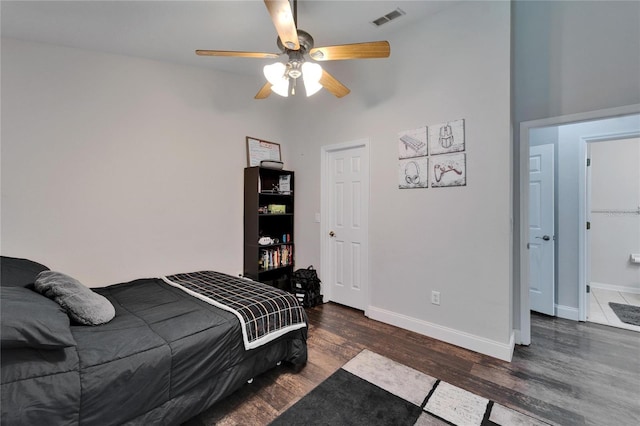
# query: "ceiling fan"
{"type": "Point", "coordinates": [296, 43]}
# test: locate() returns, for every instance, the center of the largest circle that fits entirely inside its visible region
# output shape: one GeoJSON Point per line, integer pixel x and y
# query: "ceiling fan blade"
{"type": "Point", "coordinates": [332, 85]}
{"type": "Point", "coordinates": [282, 17]}
{"type": "Point", "coordinates": [264, 92]}
{"type": "Point", "coordinates": [373, 49]}
{"type": "Point", "coordinates": [236, 53]}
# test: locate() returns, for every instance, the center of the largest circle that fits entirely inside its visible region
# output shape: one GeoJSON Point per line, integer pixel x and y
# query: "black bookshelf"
{"type": "Point", "coordinates": [271, 263]}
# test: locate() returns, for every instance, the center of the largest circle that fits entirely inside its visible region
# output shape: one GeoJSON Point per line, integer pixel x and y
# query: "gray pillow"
{"type": "Point", "coordinates": [30, 320]}
{"type": "Point", "coordinates": [16, 272]}
{"type": "Point", "coordinates": [81, 303]}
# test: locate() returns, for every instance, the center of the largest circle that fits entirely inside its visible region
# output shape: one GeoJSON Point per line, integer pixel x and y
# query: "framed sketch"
{"type": "Point", "coordinates": [446, 137]}
{"type": "Point", "coordinates": [412, 143]}
{"type": "Point", "coordinates": [413, 173]}
{"type": "Point", "coordinates": [448, 170]}
{"type": "Point", "coordinates": [258, 150]}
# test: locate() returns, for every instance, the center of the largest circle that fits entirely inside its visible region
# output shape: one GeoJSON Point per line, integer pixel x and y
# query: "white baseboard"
{"type": "Point", "coordinates": [567, 312]}
{"type": "Point", "coordinates": [503, 351]}
{"type": "Point", "coordinates": [612, 287]}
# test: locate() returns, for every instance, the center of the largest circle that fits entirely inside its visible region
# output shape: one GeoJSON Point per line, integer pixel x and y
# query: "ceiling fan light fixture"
{"type": "Point", "coordinates": [282, 88]}
{"type": "Point", "coordinates": [275, 72]}
{"type": "Point", "coordinates": [311, 74]}
{"type": "Point", "coordinates": [312, 88]}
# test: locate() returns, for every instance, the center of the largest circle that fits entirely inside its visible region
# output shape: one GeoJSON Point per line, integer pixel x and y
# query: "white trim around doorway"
{"type": "Point", "coordinates": [583, 215]}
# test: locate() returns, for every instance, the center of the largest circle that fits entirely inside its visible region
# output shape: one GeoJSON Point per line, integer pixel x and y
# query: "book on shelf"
{"type": "Point", "coordinates": [276, 257]}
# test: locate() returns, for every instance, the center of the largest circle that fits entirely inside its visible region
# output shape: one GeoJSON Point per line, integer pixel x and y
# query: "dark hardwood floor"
{"type": "Point", "coordinates": [572, 374]}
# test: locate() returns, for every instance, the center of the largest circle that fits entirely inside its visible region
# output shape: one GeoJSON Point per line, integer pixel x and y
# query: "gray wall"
{"type": "Point", "coordinates": [569, 57]}
{"type": "Point", "coordinates": [116, 168]}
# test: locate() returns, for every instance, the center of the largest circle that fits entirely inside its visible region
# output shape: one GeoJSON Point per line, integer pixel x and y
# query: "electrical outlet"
{"type": "Point", "coordinates": [435, 297]}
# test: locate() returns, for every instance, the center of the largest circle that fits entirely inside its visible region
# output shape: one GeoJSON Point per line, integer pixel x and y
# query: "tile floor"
{"type": "Point", "coordinates": [600, 311]}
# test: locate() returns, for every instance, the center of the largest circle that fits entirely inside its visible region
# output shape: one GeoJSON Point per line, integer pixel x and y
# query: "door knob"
{"type": "Point", "coordinates": [332, 234]}
{"type": "Point", "coordinates": [545, 237]}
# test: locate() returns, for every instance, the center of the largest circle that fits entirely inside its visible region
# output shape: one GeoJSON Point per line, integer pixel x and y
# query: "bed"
{"type": "Point", "coordinates": [166, 356]}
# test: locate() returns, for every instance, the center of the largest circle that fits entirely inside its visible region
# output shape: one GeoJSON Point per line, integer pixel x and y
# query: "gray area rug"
{"type": "Point", "coordinates": [629, 314]}
{"type": "Point", "coordinates": [374, 390]}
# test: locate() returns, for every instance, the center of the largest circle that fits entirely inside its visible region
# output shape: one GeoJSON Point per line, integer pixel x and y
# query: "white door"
{"type": "Point", "coordinates": [541, 227]}
{"type": "Point", "coordinates": [346, 231]}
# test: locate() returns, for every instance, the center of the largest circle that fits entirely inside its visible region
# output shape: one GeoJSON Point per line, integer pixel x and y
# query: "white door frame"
{"type": "Point", "coordinates": [524, 335]}
{"type": "Point", "coordinates": [584, 189]}
{"type": "Point", "coordinates": [584, 270]}
{"type": "Point", "coordinates": [324, 216]}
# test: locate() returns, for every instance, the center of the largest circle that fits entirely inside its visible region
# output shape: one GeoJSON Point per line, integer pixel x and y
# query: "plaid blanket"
{"type": "Point", "coordinates": [264, 311]}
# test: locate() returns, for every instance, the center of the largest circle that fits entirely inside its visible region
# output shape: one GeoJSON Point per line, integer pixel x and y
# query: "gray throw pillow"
{"type": "Point", "coordinates": [81, 303]}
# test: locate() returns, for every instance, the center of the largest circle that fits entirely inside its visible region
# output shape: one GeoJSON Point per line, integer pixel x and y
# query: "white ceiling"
{"type": "Point", "coordinates": [172, 30]}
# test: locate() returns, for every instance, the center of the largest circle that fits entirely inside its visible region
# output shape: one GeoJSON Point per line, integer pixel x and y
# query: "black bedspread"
{"type": "Point", "coordinates": [165, 357]}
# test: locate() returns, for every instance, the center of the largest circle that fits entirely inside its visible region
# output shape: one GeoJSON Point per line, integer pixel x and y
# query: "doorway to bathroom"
{"type": "Point", "coordinates": [613, 204]}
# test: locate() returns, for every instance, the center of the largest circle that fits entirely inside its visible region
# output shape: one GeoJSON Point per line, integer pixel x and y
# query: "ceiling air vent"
{"type": "Point", "coordinates": [388, 17]}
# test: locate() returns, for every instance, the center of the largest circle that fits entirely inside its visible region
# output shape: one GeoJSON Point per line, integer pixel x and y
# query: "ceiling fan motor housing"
{"type": "Point", "coordinates": [304, 39]}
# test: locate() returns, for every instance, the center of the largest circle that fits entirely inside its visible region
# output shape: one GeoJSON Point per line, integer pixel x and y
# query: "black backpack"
{"type": "Point", "coordinates": [305, 285]}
